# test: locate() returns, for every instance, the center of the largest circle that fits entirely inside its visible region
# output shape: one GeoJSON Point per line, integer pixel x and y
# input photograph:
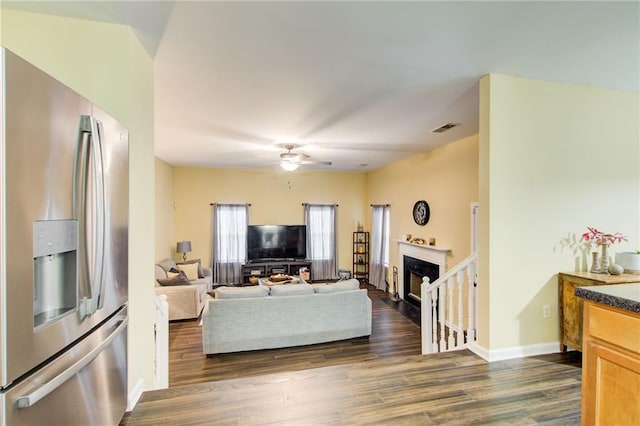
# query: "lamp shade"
{"type": "Point", "coordinates": [183, 247]}
{"type": "Point", "coordinates": [288, 165]}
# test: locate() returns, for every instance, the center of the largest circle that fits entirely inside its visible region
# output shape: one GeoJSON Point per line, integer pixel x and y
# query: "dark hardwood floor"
{"type": "Point", "coordinates": [379, 380]}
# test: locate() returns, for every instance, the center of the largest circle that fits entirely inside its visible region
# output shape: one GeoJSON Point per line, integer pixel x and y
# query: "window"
{"type": "Point", "coordinates": [379, 246]}
{"type": "Point", "coordinates": [321, 239]}
{"type": "Point", "coordinates": [229, 242]}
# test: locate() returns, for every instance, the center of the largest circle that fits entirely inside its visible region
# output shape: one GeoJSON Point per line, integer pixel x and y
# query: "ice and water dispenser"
{"type": "Point", "coordinates": [55, 253]}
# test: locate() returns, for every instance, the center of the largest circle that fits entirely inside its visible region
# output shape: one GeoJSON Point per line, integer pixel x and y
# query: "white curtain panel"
{"type": "Point", "coordinates": [322, 249]}
{"type": "Point", "coordinates": [379, 246]}
{"type": "Point", "coordinates": [229, 242]}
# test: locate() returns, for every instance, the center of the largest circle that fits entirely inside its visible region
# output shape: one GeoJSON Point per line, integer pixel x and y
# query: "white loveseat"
{"type": "Point", "coordinates": [185, 301]}
{"type": "Point", "coordinates": [262, 317]}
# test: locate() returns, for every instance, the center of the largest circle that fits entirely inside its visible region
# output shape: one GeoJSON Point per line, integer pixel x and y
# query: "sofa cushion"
{"type": "Point", "coordinates": [241, 292]}
{"type": "Point", "coordinates": [348, 285]}
{"type": "Point", "coordinates": [190, 269]}
{"type": "Point", "coordinates": [177, 279]}
{"type": "Point", "coordinates": [291, 290]}
{"type": "Point", "coordinates": [167, 264]}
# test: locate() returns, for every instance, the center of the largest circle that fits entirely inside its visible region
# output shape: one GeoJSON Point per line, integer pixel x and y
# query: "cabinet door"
{"type": "Point", "coordinates": [611, 386]}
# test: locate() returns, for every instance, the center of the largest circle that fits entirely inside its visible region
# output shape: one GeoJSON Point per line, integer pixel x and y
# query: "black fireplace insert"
{"type": "Point", "coordinates": [414, 270]}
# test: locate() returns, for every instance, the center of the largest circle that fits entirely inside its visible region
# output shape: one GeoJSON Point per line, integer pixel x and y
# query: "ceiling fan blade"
{"type": "Point", "coordinates": [317, 163]}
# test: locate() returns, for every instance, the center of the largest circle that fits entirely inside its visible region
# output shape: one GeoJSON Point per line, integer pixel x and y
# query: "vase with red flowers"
{"type": "Point", "coordinates": [604, 240]}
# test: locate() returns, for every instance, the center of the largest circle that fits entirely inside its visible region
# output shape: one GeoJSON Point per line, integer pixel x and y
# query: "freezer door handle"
{"type": "Point", "coordinates": [44, 390]}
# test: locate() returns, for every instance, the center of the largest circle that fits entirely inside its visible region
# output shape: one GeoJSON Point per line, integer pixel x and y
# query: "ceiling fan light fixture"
{"type": "Point", "coordinates": [288, 165]}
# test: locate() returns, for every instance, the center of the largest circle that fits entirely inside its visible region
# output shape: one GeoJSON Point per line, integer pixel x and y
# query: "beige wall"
{"type": "Point", "coordinates": [555, 158]}
{"type": "Point", "coordinates": [105, 63]}
{"type": "Point", "coordinates": [165, 241]}
{"type": "Point", "coordinates": [276, 197]}
{"type": "Point", "coordinates": [447, 178]}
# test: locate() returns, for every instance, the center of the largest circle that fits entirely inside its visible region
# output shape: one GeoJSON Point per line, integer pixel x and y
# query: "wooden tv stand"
{"type": "Point", "coordinates": [268, 268]}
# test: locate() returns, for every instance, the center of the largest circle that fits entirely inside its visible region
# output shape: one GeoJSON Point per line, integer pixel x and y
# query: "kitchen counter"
{"type": "Point", "coordinates": [621, 296]}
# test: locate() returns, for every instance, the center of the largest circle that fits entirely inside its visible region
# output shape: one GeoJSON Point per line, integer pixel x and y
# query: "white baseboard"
{"type": "Point", "coordinates": [514, 352]}
{"type": "Point", "coordinates": [135, 395]}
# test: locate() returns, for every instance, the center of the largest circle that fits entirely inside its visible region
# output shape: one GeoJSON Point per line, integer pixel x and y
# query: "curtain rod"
{"type": "Point", "coordinates": [224, 204]}
{"type": "Point", "coordinates": [311, 204]}
{"type": "Point", "coordinates": [380, 205]}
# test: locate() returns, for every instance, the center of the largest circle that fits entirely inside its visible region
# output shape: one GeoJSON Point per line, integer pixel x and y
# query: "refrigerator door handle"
{"type": "Point", "coordinates": [79, 197]}
{"type": "Point", "coordinates": [44, 390]}
{"type": "Point", "coordinates": [101, 224]}
{"type": "Point", "coordinates": [91, 267]}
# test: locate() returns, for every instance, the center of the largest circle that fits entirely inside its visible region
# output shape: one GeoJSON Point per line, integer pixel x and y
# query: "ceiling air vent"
{"type": "Point", "coordinates": [445, 127]}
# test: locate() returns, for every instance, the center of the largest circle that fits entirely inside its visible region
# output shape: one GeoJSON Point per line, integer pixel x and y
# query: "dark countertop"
{"type": "Point", "coordinates": [621, 296]}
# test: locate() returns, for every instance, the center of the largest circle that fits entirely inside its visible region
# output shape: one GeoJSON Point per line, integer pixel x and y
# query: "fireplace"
{"type": "Point", "coordinates": [413, 272]}
{"type": "Point", "coordinates": [434, 256]}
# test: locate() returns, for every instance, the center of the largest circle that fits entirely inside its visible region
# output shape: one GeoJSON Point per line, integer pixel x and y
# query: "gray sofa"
{"type": "Point", "coordinates": [262, 317]}
{"type": "Point", "coordinates": [185, 301]}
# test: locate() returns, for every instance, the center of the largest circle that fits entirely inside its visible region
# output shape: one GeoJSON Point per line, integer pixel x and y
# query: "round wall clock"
{"type": "Point", "coordinates": [421, 212]}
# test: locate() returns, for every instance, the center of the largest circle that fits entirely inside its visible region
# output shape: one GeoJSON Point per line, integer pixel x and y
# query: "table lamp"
{"type": "Point", "coordinates": [183, 247]}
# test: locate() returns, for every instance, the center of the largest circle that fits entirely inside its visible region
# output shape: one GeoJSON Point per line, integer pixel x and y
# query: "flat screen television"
{"type": "Point", "coordinates": [273, 242]}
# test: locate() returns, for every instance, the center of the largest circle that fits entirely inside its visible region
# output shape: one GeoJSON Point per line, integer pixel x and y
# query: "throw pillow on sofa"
{"type": "Point", "coordinates": [190, 269]}
{"type": "Point", "coordinates": [176, 279]}
{"type": "Point", "coordinates": [167, 265]}
{"type": "Point", "coordinates": [199, 263]}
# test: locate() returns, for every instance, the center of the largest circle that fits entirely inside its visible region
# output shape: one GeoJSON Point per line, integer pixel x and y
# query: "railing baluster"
{"type": "Point", "coordinates": [474, 284]}
{"type": "Point", "coordinates": [471, 309]}
{"type": "Point", "coordinates": [460, 325]}
{"type": "Point", "coordinates": [450, 312]}
{"type": "Point", "coordinates": [434, 325]}
{"type": "Point", "coordinates": [442, 310]}
{"type": "Point", "coordinates": [425, 315]}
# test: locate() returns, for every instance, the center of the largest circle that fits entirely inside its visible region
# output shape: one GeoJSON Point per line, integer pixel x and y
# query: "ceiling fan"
{"type": "Point", "coordinates": [290, 161]}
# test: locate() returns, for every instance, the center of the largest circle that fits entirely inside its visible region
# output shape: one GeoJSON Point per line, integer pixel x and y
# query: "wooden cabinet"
{"type": "Point", "coordinates": [570, 306]}
{"type": "Point", "coordinates": [361, 256]}
{"type": "Point", "coordinates": [610, 366]}
{"type": "Point", "coordinates": [266, 269]}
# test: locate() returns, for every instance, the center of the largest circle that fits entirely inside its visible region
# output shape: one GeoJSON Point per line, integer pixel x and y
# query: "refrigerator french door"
{"type": "Point", "coordinates": [63, 257]}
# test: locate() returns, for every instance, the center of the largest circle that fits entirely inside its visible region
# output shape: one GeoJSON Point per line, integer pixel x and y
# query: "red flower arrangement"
{"type": "Point", "coordinates": [601, 238]}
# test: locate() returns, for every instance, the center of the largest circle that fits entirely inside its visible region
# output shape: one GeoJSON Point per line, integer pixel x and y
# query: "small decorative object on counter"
{"type": "Point", "coordinates": [604, 259]}
{"type": "Point", "coordinates": [595, 263]}
{"type": "Point", "coordinates": [615, 269]}
{"type": "Point", "coordinates": [409, 237]}
{"type": "Point", "coordinates": [604, 240]}
{"type": "Point", "coordinates": [432, 241]}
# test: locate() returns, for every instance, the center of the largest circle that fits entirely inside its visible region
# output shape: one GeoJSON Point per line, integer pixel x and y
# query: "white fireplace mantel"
{"type": "Point", "coordinates": [433, 254]}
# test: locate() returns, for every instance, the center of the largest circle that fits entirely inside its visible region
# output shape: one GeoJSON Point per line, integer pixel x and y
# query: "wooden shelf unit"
{"type": "Point", "coordinates": [361, 256]}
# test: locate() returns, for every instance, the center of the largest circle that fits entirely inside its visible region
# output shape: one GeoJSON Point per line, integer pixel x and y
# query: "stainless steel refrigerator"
{"type": "Point", "coordinates": [63, 254]}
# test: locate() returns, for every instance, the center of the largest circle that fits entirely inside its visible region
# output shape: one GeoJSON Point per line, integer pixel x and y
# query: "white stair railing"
{"type": "Point", "coordinates": [444, 310]}
{"type": "Point", "coordinates": [161, 337]}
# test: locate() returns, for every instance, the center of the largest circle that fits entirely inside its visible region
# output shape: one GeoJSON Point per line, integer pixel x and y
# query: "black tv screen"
{"type": "Point", "coordinates": [267, 242]}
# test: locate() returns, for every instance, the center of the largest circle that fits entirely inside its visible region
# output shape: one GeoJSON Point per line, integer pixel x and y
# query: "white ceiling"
{"type": "Point", "coordinates": [352, 82]}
